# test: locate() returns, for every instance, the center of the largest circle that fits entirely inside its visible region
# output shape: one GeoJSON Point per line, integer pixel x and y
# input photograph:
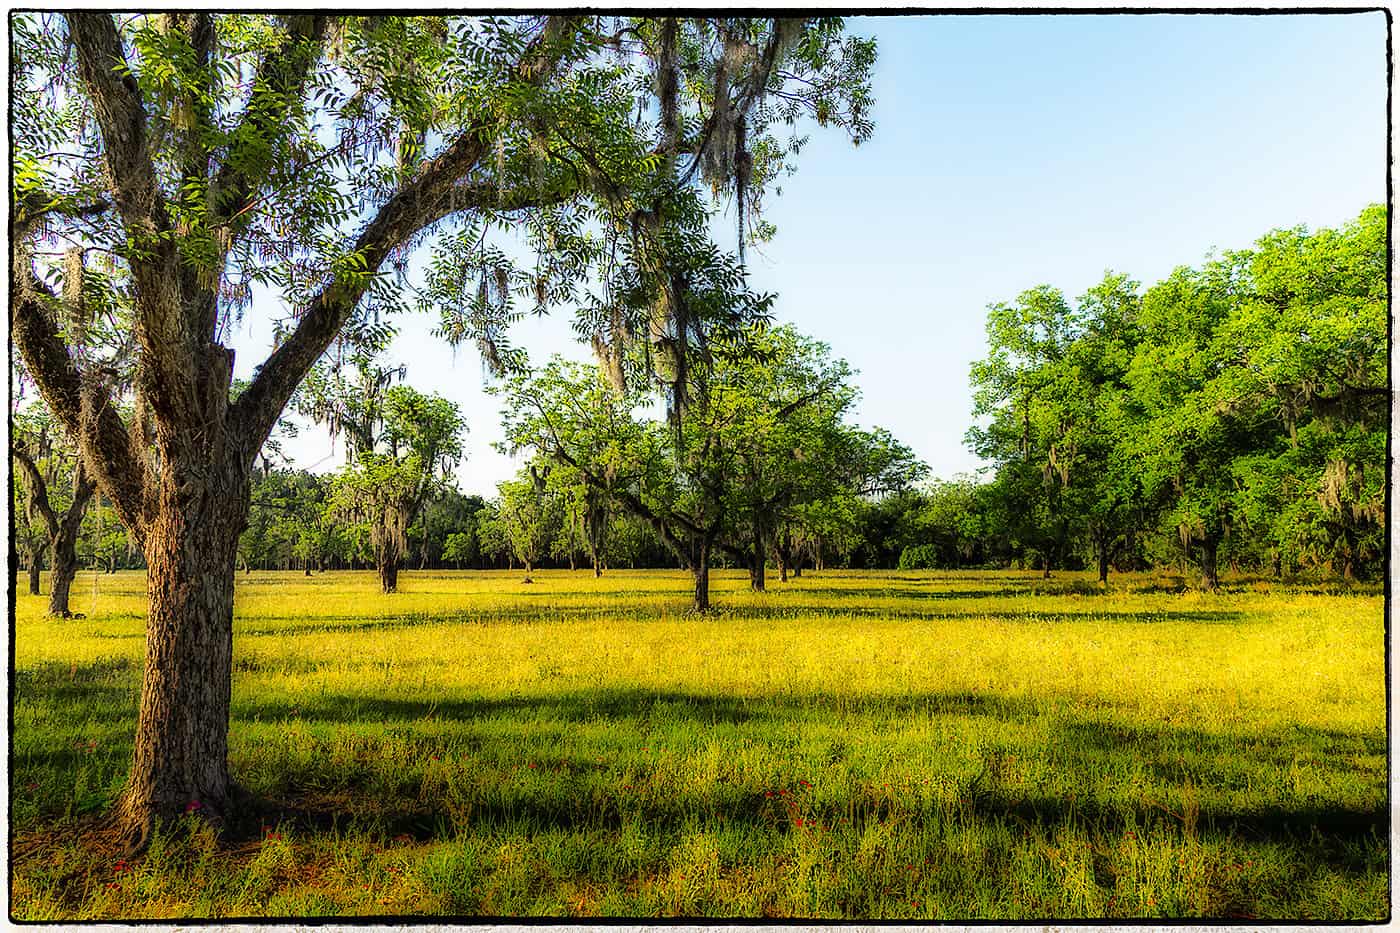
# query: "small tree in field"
{"type": "Point", "coordinates": [530, 515]}
{"type": "Point", "coordinates": [57, 491]}
{"type": "Point", "coordinates": [418, 446]}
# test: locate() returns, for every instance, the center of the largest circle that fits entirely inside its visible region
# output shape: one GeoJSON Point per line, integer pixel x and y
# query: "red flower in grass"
{"type": "Point", "coordinates": [193, 805]}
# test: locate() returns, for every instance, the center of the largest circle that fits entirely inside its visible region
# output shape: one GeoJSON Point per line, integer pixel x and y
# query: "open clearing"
{"type": "Point", "coordinates": [930, 745]}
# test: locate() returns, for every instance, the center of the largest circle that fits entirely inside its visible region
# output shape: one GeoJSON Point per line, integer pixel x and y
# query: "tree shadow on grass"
{"type": "Point", "coordinates": [785, 610]}
{"type": "Point", "coordinates": [1339, 832]}
{"type": "Point", "coordinates": [1085, 743]}
{"type": "Point", "coordinates": [893, 592]}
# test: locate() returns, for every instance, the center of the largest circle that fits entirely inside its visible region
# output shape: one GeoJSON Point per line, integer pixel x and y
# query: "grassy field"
{"type": "Point", "coordinates": [895, 745]}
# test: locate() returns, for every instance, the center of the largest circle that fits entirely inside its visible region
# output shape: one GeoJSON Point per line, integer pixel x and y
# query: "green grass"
{"type": "Point", "coordinates": [895, 745]}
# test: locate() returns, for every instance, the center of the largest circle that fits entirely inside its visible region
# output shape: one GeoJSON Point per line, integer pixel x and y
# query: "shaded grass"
{"type": "Point", "coordinates": [940, 746]}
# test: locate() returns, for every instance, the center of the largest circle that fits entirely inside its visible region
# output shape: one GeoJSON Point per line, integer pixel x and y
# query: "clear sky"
{"type": "Point", "coordinates": [1011, 151]}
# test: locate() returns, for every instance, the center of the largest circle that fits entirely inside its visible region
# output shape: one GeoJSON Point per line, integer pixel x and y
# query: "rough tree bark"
{"type": "Point", "coordinates": [180, 758]}
{"type": "Point", "coordinates": [389, 576]}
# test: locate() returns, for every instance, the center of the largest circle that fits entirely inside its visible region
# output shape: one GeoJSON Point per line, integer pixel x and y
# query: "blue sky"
{"type": "Point", "coordinates": [1012, 151]}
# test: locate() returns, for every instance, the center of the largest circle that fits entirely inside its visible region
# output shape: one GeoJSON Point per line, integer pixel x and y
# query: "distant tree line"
{"type": "Point", "coordinates": [1233, 414]}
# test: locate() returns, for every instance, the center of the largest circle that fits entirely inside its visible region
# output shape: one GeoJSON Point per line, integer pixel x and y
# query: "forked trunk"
{"type": "Point", "coordinates": [180, 760]}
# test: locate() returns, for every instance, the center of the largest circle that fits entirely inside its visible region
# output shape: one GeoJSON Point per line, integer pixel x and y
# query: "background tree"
{"type": "Point", "coordinates": [57, 491]}
{"type": "Point", "coordinates": [30, 540]}
{"type": "Point", "coordinates": [530, 515]}
{"type": "Point", "coordinates": [445, 512]}
{"type": "Point", "coordinates": [1234, 413]}
{"type": "Point", "coordinates": [1027, 387]}
{"type": "Point", "coordinates": [418, 446]}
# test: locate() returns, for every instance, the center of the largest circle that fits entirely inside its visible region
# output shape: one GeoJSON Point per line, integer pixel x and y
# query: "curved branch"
{"type": "Point", "coordinates": [277, 89]}
{"type": "Point", "coordinates": [35, 486]}
{"type": "Point", "coordinates": [433, 194]}
{"type": "Point", "coordinates": [82, 405]}
{"type": "Point", "coordinates": [172, 347]}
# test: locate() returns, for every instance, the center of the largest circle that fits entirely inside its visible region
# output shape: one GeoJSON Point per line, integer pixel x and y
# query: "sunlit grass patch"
{"type": "Point", "coordinates": [910, 745]}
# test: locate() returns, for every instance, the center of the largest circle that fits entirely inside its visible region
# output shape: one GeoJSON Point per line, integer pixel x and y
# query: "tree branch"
{"type": "Point", "coordinates": [277, 89]}
{"type": "Point", "coordinates": [36, 204]}
{"type": "Point", "coordinates": [432, 195]}
{"type": "Point", "coordinates": [121, 116]}
{"type": "Point", "coordinates": [172, 348]}
{"type": "Point", "coordinates": [81, 405]}
{"type": "Point", "coordinates": [36, 487]}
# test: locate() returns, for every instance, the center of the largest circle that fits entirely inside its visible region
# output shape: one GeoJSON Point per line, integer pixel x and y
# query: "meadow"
{"type": "Point", "coordinates": [848, 744]}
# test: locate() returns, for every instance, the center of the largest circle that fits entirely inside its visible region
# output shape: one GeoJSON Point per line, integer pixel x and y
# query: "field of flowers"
{"type": "Point", "coordinates": [870, 745]}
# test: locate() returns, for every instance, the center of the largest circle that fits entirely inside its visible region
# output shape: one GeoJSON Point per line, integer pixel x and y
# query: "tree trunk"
{"type": "Point", "coordinates": [388, 575]}
{"type": "Point", "coordinates": [64, 543]}
{"type": "Point", "coordinates": [701, 570]}
{"type": "Point", "coordinates": [34, 573]}
{"type": "Point", "coordinates": [1350, 570]}
{"type": "Point", "coordinates": [757, 562]}
{"type": "Point", "coordinates": [1210, 575]}
{"type": "Point", "coordinates": [180, 759]}
{"type": "Point", "coordinates": [1103, 561]}
{"type": "Point", "coordinates": [65, 567]}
